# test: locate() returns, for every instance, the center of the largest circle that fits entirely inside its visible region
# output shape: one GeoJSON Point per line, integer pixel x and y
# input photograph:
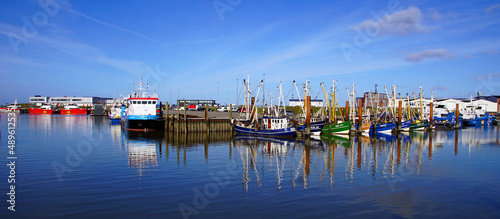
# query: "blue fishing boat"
{"type": "Point", "coordinates": [476, 116]}
{"type": "Point", "coordinates": [270, 126]}
{"type": "Point", "coordinates": [405, 126]}
{"type": "Point", "coordinates": [316, 127]}
{"type": "Point", "coordinates": [140, 113]}
{"type": "Point", "coordinates": [448, 121]}
{"type": "Point", "coordinates": [382, 128]}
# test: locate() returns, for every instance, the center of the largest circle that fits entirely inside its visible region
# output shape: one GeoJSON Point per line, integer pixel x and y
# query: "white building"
{"type": "Point", "coordinates": [38, 100]}
{"type": "Point", "coordinates": [297, 102]}
{"type": "Point", "coordinates": [61, 101]}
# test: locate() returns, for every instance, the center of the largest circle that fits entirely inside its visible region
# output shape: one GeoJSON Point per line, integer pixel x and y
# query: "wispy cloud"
{"type": "Point", "coordinates": [434, 14]}
{"type": "Point", "coordinates": [492, 8]}
{"type": "Point", "coordinates": [485, 77]}
{"type": "Point", "coordinates": [67, 45]}
{"type": "Point", "coordinates": [440, 87]}
{"type": "Point", "coordinates": [427, 54]}
{"type": "Point", "coordinates": [400, 23]}
{"type": "Point", "coordinates": [115, 27]}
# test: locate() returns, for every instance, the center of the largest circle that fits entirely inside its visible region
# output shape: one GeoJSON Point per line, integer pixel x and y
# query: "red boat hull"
{"type": "Point", "coordinates": [40, 111]}
{"type": "Point", "coordinates": [74, 112]}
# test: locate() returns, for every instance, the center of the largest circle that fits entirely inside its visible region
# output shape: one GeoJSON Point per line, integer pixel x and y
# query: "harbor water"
{"type": "Point", "coordinates": [83, 166]}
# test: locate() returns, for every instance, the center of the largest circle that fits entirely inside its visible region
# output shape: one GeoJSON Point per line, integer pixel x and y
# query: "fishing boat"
{"type": "Point", "coordinates": [339, 128]}
{"type": "Point", "coordinates": [418, 126]}
{"type": "Point", "coordinates": [141, 114]}
{"type": "Point", "coordinates": [334, 127]}
{"type": "Point", "coordinates": [406, 125]}
{"type": "Point", "coordinates": [13, 108]}
{"type": "Point", "coordinates": [420, 119]}
{"type": "Point", "coordinates": [448, 121]}
{"type": "Point", "coordinates": [271, 125]}
{"type": "Point", "coordinates": [45, 109]}
{"type": "Point", "coordinates": [365, 127]}
{"type": "Point", "coordinates": [476, 116]}
{"type": "Point", "coordinates": [315, 127]}
{"type": "Point", "coordinates": [385, 128]}
{"type": "Point", "coordinates": [115, 113]}
{"type": "Point", "coordinates": [72, 109]}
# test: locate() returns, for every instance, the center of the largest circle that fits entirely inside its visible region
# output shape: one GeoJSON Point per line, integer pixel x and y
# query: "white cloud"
{"type": "Point", "coordinates": [492, 8]}
{"type": "Point", "coordinates": [400, 23]}
{"type": "Point", "coordinates": [426, 54]}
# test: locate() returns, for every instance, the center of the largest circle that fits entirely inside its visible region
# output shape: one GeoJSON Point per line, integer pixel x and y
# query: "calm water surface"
{"type": "Point", "coordinates": [81, 166]}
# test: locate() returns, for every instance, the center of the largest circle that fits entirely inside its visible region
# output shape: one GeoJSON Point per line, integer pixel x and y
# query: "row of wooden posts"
{"type": "Point", "coordinates": [183, 124]}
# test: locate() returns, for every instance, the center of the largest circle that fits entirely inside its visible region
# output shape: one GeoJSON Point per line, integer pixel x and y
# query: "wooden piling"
{"type": "Point", "coordinates": [178, 118]}
{"type": "Point", "coordinates": [230, 112]}
{"type": "Point", "coordinates": [346, 109]}
{"type": "Point", "coordinates": [207, 122]}
{"type": "Point", "coordinates": [457, 114]}
{"type": "Point", "coordinates": [166, 116]}
{"type": "Point", "coordinates": [185, 117]}
{"type": "Point", "coordinates": [331, 116]}
{"type": "Point", "coordinates": [360, 115]}
{"type": "Point", "coordinates": [308, 115]}
{"type": "Point", "coordinates": [498, 105]}
{"type": "Point", "coordinates": [431, 115]}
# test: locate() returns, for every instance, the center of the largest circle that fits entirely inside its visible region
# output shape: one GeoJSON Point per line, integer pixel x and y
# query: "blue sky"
{"type": "Point", "coordinates": [202, 49]}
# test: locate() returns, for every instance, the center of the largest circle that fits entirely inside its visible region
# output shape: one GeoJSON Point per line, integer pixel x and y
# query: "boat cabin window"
{"type": "Point", "coordinates": [149, 102]}
{"type": "Point", "coordinates": [134, 102]}
{"type": "Point", "coordinates": [154, 102]}
{"type": "Point", "coordinates": [144, 102]}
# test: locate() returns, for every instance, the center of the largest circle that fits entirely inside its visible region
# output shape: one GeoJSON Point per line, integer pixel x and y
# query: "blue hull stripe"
{"type": "Point", "coordinates": [142, 117]}
{"type": "Point", "coordinates": [274, 132]}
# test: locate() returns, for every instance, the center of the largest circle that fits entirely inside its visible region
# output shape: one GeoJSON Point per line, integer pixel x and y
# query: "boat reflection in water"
{"type": "Point", "coordinates": [281, 154]}
{"type": "Point", "coordinates": [385, 159]}
{"type": "Point", "coordinates": [142, 149]}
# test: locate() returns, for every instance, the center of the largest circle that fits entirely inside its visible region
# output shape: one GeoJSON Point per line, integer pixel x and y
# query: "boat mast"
{"type": "Point", "coordinates": [349, 101]}
{"type": "Point", "coordinates": [333, 104]}
{"type": "Point", "coordinates": [253, 108]}
{"type": "Point", "coordinates": [142, 94]}
{"type": "Point", "coordinates": [421, 105]}
{"type": "Point", "coordinates": [298, 94]}
{"type": "Point", "coordinates": [353, 108]}
{"type": "Point", "coordinates": [306, 93]}
{"type": "Point", "coordinates": [376, 104]}
{"type": "Point", "coordinates": [246, 83]}
{"type": "Point", "coordinates": [326, 98]}
{"type": "Point", "coordinates": [282, 98]}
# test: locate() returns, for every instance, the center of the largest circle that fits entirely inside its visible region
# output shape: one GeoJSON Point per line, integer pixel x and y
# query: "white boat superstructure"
{"type": "Point", "coordinates": [13, 108]}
